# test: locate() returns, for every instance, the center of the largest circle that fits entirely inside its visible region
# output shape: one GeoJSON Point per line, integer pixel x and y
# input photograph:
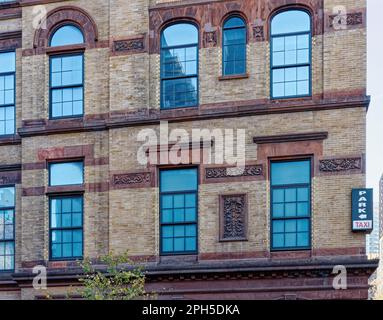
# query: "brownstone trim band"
{"type": "Point", "coordinates": [291, 137]}
{"type": "Point", "coordinates": [10, 177]}
{"type": "Point", "coordinates": [9, 141]}
{"type": "Point", "coordinates": [284, 255]}
{"type": "Point", "coordinates": [204, 112]}
{"type": "Point", "coordinates": [46, 190]}
{"type": "Point", "coordinates": [342, 165]}
{"type": "Point", "coordinates": [131, 45]}
{"type": "Point", "coordinates": [132, 180]}
{"type": "Point", "coordinates": [10, 167]}
{"type": "Point", "coordinates": [10, 40]}
{"type": "Point", "coordinates": [229, 174]}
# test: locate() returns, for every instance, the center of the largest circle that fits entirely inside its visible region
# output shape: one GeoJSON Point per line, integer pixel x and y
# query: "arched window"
{"type": "Point", "coordinates": [234, 46]}
{"type": "Point", "coordinates": [67, 35]}
{"type": "Point", "coordinates": [179, 66]}
{"type": "Point", "coordinates": [67, 75]}
{"type": "Point", "coordinates": [291, 54]}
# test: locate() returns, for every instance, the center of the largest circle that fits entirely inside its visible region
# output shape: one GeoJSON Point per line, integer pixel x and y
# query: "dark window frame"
{"type": "Point", "coordinates": [164, 79]}
{"type": "Point", "coordinates": [51, 88]}
{"type": "Point", "coordinates": [196, 223]}
{"type": "Point", "coordinates": [14, 229]}
{"type": "Point", "coordinates": [14, 94]}
{"type": "Point", "coordinates": [51, 230]}
{"type": "Point", "coordinates": [289, 186]}
{"type": "Point", "coordinates": [309, 64]}
{"type": "Point", "coordinates": [223, 43]}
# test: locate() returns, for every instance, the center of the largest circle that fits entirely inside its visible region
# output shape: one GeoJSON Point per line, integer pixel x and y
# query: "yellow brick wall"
{"type": "Point", "coordinates": [128, 219]}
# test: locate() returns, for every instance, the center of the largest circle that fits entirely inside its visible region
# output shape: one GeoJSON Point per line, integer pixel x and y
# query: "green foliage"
{"type": "Point", "coordinates": [121, 281]}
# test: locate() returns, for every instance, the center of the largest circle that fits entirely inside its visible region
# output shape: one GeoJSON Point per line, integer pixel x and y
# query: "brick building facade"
{"type": "Point", "coordinates": [81, 79]}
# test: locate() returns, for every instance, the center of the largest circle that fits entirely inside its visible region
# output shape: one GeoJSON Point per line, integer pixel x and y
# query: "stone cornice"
{"type": "Point", "coordinates": [291, 137]}
{"type": "Point", "coordinates": [214, 270]}
{"type": "Point", "coordinates": [155, 116]}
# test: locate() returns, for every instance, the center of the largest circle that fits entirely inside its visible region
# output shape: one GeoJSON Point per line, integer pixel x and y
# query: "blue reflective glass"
{"type": "Point", "coordinates": [291, 21]}
{"type": "Point", "coordinates": [7, 62]}
{"type": "Point", "coordinates": [178, 211]}
{"type": "Point", "coordinates": [294, 172]}
{"type": "Point", "coordinates": [234, 46]}
{"type": "Point", "coordinates": [290, 54]}
{"type": "Point", "coordinates": [67, 86]}
{"type": "Point", "coordinates": [66, 227]}
{"type": "Point", "coordinates": [179, 66]}
{"type": "Point", "coordinates": [66, 173]}
{"type": "Point", "coordinates": [178, 180]}
{"type": "Point", "coordinates": [67, 35]}
{"type": "Point", "coordinates": [7, 93]}
{"type": "Point", "coordinates": [303, 239]}
{"type": "Point", "coordinates": [179, 34]}
{"type": "Point", "coordinates": [190, 244]}
{"type": "Point", "coordinates": [7, 197]}
{"type": "Point", "coordinates": [234, 22]}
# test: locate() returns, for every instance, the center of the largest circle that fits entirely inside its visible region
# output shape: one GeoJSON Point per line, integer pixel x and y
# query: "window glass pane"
{"type": "Point", "coordinates": [290, 195]}
{"type": "Point", "coordinates": [278, 90]}
{"type": "Point", "coordinates": [303, 225]}
{"type": "Point", "coordinates": [177, 208]}
{"type": "Point", "coordinates": [303, 87]}
{"type": "Point", "coordinates": [179, 66]}
{"type": "Point", "coordinates": [67, 86]}
{"type": "Point", "coordinates": [190, 214]}
{"type": "Point", "coordinates": [167, 232]}
{"type": "Point", "coordinates": [290, 21]}
{"type": "Point", "coordinates": [234, 22]}
{"type": "Point", "coordinates": [179, 215]}
{"type": "Point", "coordinates": [167, 216]}
{"type": "Point", "coordinates": [290, 226]}
{"type": "Point", "coordinates": [179, 244]}
{"type": "Point", "coordinates": [67, 35]}
{"type": "Point", "coordinates": [294, 172]}
{"type": "Point", "coordinates": [7, 197]}
{"type": "Point", "coordinates": [191, 244]}
{"type": "Point", "coordinates": [179, 34]}
{"type": "Point", "coordinates": [290, 240]}
{"type": "Point", "coordinates": [179, 180]}
{"type": "Point", "coordinates": [303, 209]}
{"type": "Point", "coordinates": [67, 173]}
{"type": "Point", "coordinates": [7, 62]}
{"type": "Point", "coordinates": [167, 245]}
{"type": "Point", "coordinates": [278, 240]}
{"type": "Point", "coordinates": [303, 194]}
{"type": "Point", "coordinates": [290, 209]}
{"type": "Point", "coordinates": [303, 239]}
{"type": "Point", "coordinates": [66, 227]}
{"type": "Point", "coordinates": [278, 196]}
{"type": "Point", "coordinates": [278, 210]}
{"type": "Point", "coordinates": [278, 226]}
{"type": "Point", "coordinates": [303, 41]}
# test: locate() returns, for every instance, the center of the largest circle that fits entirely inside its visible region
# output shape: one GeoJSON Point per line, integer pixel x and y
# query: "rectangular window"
{"type": "Point", "coordinates": [291, 58]}
{"type": "Point", "coordinates": [291, 205]}
{"type": "Point", "coordinates": [66, 227]}
{"type": "Point", "coordinates": [66, 173]}
{"type": "Point", "coordinates": [67, 87]}
{"type": "Point", "coordinates": [7, 229]}
{"type": "Point", "coordinates": [178, 211]}
{"type": "Point", "coordinates": [7, 92]}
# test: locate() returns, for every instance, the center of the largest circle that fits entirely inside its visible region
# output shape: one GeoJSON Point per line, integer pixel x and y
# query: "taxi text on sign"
{"type": "Point", "coordinates": [362, 209]}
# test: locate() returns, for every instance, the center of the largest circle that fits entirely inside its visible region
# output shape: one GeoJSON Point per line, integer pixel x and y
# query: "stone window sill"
{"type": "Point", "coordinates": [234, 77]}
